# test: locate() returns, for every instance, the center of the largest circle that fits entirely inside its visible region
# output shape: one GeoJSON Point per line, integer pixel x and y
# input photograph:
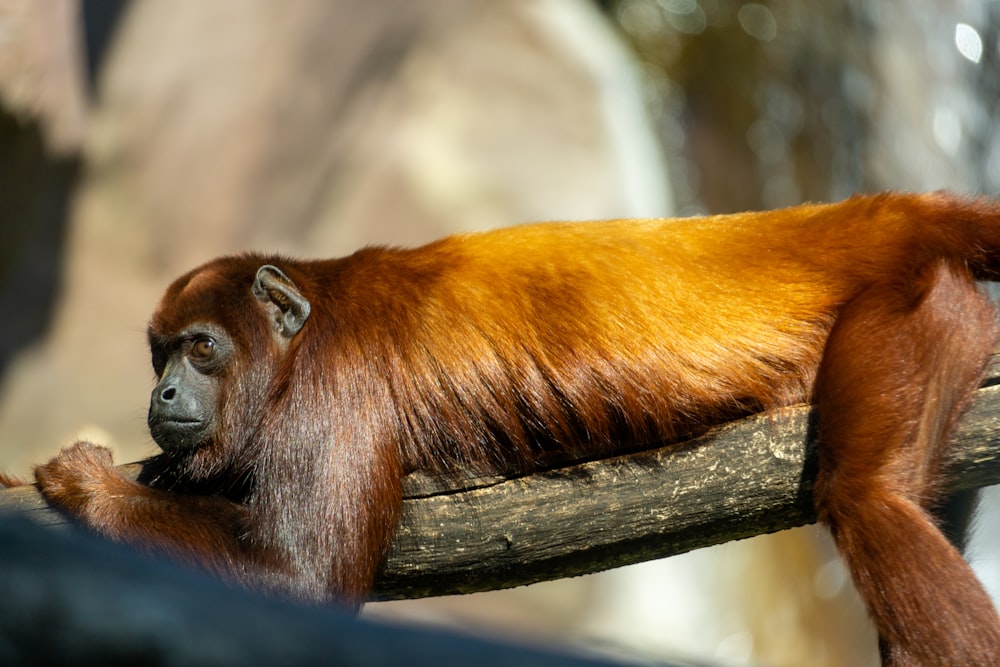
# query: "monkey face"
{"type": "Point", "coordinates": [214, 342]}
{"type": "Point", "coordinates": [184, 403]}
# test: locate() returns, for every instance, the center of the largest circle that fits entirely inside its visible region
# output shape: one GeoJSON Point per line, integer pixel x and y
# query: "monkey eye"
{"type": "Point", "coordinates": [203, 348]}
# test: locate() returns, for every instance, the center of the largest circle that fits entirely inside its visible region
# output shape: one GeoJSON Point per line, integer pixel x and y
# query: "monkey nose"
{"type": "Point", "coordinates": [170, 403]}
{"type": "Point", "coordinates": [167, 397]}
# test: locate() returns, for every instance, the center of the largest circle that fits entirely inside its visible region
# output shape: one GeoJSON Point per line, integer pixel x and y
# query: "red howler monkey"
{"type": "Point", "coordinates": [294, 395]}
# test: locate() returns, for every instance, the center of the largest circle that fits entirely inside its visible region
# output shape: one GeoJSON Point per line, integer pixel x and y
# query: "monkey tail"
{"type": "Point", "coordinates": [963, 229]}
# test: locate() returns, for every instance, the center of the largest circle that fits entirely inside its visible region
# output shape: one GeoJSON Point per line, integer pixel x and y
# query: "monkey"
{"type": "Point", "coordinates": [292, 396]}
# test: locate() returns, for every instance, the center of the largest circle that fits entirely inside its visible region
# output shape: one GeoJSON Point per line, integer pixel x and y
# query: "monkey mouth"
{"type": "Point", "coordinates": [177, 434]}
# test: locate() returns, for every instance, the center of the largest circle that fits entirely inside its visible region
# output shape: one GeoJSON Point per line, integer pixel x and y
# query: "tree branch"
{"type": "Point", "coordinates": [742, 479]}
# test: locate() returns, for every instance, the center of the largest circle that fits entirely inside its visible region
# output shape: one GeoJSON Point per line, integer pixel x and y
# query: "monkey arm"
{"type": "Point", "coordinates": [83, 482]}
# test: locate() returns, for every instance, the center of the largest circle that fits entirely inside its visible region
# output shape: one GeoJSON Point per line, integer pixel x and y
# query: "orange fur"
{"type": "Point", "coordinates": [494, 349]}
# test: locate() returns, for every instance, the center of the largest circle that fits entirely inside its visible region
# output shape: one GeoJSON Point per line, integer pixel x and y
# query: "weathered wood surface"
{"type": "Point", "coordinates": [742, 479]}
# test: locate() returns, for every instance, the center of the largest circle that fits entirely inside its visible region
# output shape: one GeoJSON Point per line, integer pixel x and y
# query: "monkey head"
{"type": "Point", "coordinates": [208, 340]}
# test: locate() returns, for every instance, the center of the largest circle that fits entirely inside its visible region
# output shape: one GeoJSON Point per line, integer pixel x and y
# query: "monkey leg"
{"type": "Point", "coordinates": [899, 368]}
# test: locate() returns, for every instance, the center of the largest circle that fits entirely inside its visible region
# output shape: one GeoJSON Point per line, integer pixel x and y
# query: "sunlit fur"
{"type": "Point", "coordinates": [493, 350]}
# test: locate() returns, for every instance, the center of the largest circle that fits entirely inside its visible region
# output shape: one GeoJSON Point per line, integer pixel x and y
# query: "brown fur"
{"type": "Point", "coordinates": [492, 350]}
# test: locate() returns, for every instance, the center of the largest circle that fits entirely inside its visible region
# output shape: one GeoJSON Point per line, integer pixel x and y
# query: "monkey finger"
{"type": "Point", "coordinates": [8, 481]}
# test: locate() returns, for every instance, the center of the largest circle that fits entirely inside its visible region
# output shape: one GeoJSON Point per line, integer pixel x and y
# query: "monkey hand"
{"type": "Point", "coordinates": [77, 477]}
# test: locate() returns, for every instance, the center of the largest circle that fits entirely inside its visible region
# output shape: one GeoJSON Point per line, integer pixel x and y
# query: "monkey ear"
{"type": "Point", "coordinates": [282, 300]}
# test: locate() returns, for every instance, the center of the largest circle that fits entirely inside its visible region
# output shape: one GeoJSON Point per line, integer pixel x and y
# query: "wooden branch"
{"type": "Point", "coordinates": [745, 478]}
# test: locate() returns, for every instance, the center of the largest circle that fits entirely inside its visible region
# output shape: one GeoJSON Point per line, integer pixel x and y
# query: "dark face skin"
{"type": "Point", "coordinates": [182, 407]}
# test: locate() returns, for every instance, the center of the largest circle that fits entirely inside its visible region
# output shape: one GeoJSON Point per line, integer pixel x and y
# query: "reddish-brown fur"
{"type": "Point", "coordinates": [492, 350]}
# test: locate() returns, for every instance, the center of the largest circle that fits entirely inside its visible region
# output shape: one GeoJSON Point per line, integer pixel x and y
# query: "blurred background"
{"type": "Point", "coordinates": [140, 138]}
